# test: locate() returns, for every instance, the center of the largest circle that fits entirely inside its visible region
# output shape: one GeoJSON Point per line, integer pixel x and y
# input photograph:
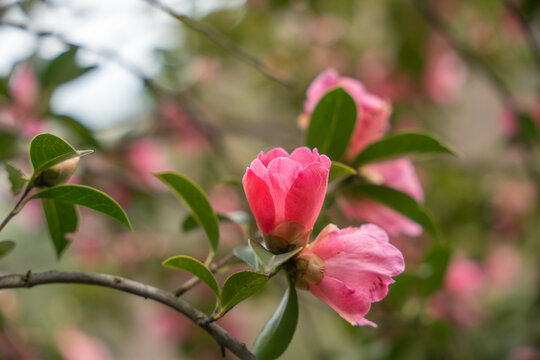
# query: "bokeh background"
{"type": "Point", "coordinates": [149, 92]}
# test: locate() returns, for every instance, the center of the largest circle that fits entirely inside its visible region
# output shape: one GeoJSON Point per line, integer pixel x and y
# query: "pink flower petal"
{"type": "Point", "coordinates": [306, 196]}
{"type": "Point", "coordinates": [305, 156]}
{"type": "Point", "coordinates": [325, 81]}
{"type": "Point", "coordinates": [400, 175]}
{"type": "Point", "coordinates": [390, 220]}
{"type": "Point", "coordinates": [349, 304]}
{"type": "Point", "coordinates": [271, 155]}
{"type": "Point", "coordinates": [282, 174]}
{"type": "Point", "coordinates": [366, 261]}
{"type": "Point", "coordinates": [260, 200]}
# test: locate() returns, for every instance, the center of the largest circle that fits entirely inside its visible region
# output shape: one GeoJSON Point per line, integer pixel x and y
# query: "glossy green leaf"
{"type": "Point", "coordinates": [62, 69]}
{"type": "Point", "coordinates": [85, 196]}
{"type": "Point", "coordinates": [339, 169]}
{"type": "Point", "coordinates": [193, 196]}
{"type": "Point", "coordinates": [6, 247]}
{"type": "Point", "coordinates": [7, 144]}
{"type": "Point", "coordinates": [245, 254]}
{"type": "Point", "coordinates": [262, 256]}
{"type": "Point", "coordinates": [332, 124]}
{"type": "Point", "coordinates": [239, 286]}
{"type": "Point", "coordinates": [268, 260]}
{"type": "Point", "coordinates": [400, 202]}
{"type": "Point", "coordinates": [194, 267]}
{"type": "Point", "coordinates": [62, 219]}
{"type": "Point", "coordinates": [278, 331]}
{"type": "Point", "coordinates": [47, 150]}
{"type": "Point", "coordinates": [398, 144]}
{"type": "Point", "coordinates": [16, 177]}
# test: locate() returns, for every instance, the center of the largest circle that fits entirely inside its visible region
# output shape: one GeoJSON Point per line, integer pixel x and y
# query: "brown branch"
{"type": "Point", "coordinates": [221, 40]}
{"type": "Point", "coordinates": [215, 267]}
{"type": "Point", "coordinates": [145, 291]}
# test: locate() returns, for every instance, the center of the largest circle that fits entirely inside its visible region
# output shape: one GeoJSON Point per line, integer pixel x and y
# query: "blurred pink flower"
{"type": "Point", "coordinates": [461, 297]}
{"type": "Point", "coordinates": [373, 112]}
{"type": "Point", "coordinates": [165, 324]}
{"type": "Point", "coordinates": [525, 352]}
{"type": "Point", "coordinates": [146, 157]}
{"type": "Point", "coordinates": [464, 277]}
{"type": "Point", "coordinates": [372, 123]}
{"type": "Point", "coordinates": [349, 269]}
{"type": "Point", "coordinates": [444, 76]}
{"type": "Point", "coordinates": [286, 193]}
{"type": "Point", "coordinates": [503, 266]}
{"type": "Point", "coordinates": [75, 345]}
{"type": "Point", "coordinates": [398, 174]}
{"type": "Point", "coordinates": [22, 113]}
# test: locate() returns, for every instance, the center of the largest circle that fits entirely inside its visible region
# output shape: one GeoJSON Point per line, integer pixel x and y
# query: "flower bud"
{"type": "Point", "coordinates": [286, 193]}
{"type": "Point", "coordinates": [59, 173]}
{"type": "Point", "coordinates": [309, 269]}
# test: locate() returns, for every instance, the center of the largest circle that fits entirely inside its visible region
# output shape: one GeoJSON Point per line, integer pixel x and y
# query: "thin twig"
{"type": "Point", "coordinates": [145, 291]}
{"type": "Point", "coordinates": [534, 46]}
{"type": "Point", "coordinates": [15, 208]}
{"type": "Point", "coordinates": [467, 53]}
{"type": "Point", "coordinates": [215, 267]}
{"type": "Point", "coordinates": [222, 41]}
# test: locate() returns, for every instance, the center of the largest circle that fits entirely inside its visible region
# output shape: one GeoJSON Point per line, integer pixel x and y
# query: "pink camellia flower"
{"type": "Point", "coordinates": [286, 193]}
{"type": "Point", "coordinates": [349, 269]}
{"type": "Point", "coordinates": [372, 123]}
{"type": "Point", "coordinates": [398, 174]}
{"type": "Point", "coordinates": [373, 112]}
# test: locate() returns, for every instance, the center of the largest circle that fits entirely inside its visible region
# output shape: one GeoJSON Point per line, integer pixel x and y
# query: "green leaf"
{"type": "Point", "coordinates": [400, 202]}
{"type": "Point", "coordinates": [6, 247]}
{"type": "Point", "coordinates": [16, 177]}
{"type": "Point", "coordinates": [85, 135]}
{"type": "Point", "coordinates": [4, 88]}
{"type": "Point", "coordinates": [332, 124]}
{"type": "Point", "coordinates": [278, 331]}
{"type": "Point", "coordinates": [268, 260]}
{"type": "Point", "coordinates": [193, 196]}
{"type": "Point", "coordinates": [47, 150]}
{"type": "Point", "coordinates": [245, 254]}
{"type": "Point", "coordinates": [85, 196]}
{"type": "Point", "coordinates": [528, 131]}
{"type": "Point", "coordinates": [194, 267]}
{"type": "Point", "coordinates": [62, 69]}
{"type": "Point", "coordinates": [238, 287]}
{"type": "Point", "coordinates": [398, 144]}
{"type": "Point", "coordinates": [339, 169]}
{"type": "Point", "coordinates": [62, 219]}
{"type": "Point", "coordinates": [7, 144]}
